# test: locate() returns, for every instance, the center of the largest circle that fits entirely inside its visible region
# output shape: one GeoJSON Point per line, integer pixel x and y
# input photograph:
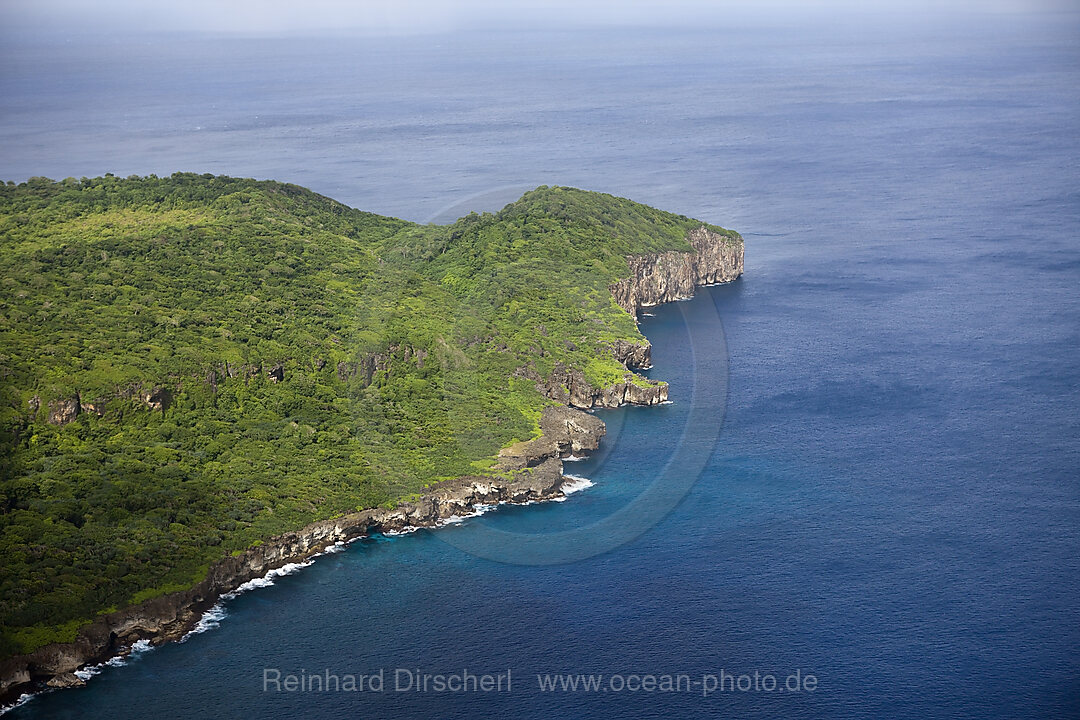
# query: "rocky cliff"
{"type": "Point", "coordinates": [663, 277]}
{"type": "Point", "coordinates": [654, 279]}
{"type": "Point", "coordinates": [527, 471]}
{"type": "Point", "coordinates": [569, 386]}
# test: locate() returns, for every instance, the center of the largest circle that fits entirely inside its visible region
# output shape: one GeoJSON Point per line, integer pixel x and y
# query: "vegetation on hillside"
{"type": "Point", "coordinates": [249, 357]}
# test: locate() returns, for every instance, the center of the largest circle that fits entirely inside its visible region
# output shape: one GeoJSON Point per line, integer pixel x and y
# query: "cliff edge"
{"type": "Point", "coordinates": [664, 277]}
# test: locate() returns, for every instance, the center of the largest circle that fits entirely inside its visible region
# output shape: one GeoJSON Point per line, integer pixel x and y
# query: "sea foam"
{"type": "Point", "coordinates": [576, 484]}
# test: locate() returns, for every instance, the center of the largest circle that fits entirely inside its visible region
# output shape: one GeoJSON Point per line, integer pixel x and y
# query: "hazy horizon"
{"type": "Point", "coordinates": [381, 17]}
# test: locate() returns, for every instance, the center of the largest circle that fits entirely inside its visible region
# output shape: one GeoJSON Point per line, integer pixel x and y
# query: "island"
{"type": "Point", "coordinates": [204, 378]}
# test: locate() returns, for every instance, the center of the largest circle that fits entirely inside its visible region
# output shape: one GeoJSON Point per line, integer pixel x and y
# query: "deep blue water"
{"type": "Point", "coordinates": [890, 435]}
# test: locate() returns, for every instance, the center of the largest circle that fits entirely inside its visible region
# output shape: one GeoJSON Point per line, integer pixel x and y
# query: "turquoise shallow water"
{"type": "Point", "coordinates": [892, 502]}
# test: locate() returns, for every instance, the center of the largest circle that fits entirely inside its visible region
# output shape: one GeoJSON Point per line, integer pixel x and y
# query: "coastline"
{"type": "Point", "coordinates": [532, 471]}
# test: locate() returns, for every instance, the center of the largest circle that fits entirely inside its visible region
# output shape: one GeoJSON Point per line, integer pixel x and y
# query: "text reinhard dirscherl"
{"type": "Point", "coordinates": [414, 680]}
{"type": "Point", "coordinates": [400, 680]}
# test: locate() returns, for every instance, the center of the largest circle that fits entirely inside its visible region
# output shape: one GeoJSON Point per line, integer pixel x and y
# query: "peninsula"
{"type": "Point", "coordinates": [204, 378]}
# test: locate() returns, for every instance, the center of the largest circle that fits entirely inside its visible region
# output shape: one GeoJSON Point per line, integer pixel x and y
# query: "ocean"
{"type": "Point", "coordinates": [868, 474]}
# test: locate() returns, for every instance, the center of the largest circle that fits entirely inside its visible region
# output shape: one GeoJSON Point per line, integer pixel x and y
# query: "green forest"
{"type": "Point", "coordinates": [192, 364]}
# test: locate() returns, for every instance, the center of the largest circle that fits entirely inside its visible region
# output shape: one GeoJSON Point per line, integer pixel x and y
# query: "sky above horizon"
{"type": "Point", "coordinates": [422, 16]}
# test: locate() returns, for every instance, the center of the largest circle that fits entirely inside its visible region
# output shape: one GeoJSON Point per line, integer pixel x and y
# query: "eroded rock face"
{"type": "Point", "coordinates": [159, 399]}
{"type": "Point", "coordinates": [569, 386]}
{"type": "Point", "coordinates": [572, 431]}
{"type": "Point", "coordinates": [564, 432]}
{"type": "Point", "coordinates": [664, 277]}
{"type": "Point", "coordinates": [63, 411]}
{"type": "Point", "coordinates": [716, 259]}
{"type": "Point", "coordinates": [634, 394]}
{"type": "Point", "coordinates": [97, 407]}
{"type": "Point", "coordinates": [19, 676]}
{"type": "Point", "coordinates": [632, 355]}
{"type": "Point", "coordinates": [65, 680]}
{"type": "Point", "coordinates": [654, 278]}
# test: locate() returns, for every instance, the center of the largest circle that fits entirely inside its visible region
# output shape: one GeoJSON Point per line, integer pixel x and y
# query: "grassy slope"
{"type": "Point", "coordinates": [114, 286]}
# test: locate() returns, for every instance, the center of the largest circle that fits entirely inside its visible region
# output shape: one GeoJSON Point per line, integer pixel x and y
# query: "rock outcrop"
{"type": "Point", "coordinates": [65, 680]}
{"type": "Point", "coordinates": [64, 410]}
{"type": "Point", "coordinates": [632, 355]}
{"type": "Point", "coordinates": [159, 398]}
{"type": "Point", "coordinates": [276, 373]}
{"type": "Point", "coordinates": [664, 277]}
{"type": "Point", "coordinates": [570, 387]}
{"type": "Point", "coordinates": [564, 432]}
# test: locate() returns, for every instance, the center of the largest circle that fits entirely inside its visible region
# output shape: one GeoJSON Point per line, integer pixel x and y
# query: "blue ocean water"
{"type": "Point", "coordinates": [892, 503]}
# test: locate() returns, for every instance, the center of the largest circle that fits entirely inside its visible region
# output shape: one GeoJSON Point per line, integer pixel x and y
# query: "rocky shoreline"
{"type": "Point", "coordinates": [529, 471]}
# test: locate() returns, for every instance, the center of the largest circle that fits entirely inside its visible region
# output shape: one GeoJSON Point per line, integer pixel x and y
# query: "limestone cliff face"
{"type": "Point", "coordinates": [569, 386]}
{"type": "Point", "coordinates": [663, 277]}
{"type": "Point", "coordinates": [632, 355]}
{"type": "Point", "coordinates": [654, 278]}
{"type": "Point", "coordinates": [64, 410]}
{"type": "Point", "coordinates": [564, 432]}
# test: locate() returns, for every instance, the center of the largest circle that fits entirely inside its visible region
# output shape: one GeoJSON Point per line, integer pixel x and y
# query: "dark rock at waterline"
{"type": "Point", "coordinates": [65, 680]}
